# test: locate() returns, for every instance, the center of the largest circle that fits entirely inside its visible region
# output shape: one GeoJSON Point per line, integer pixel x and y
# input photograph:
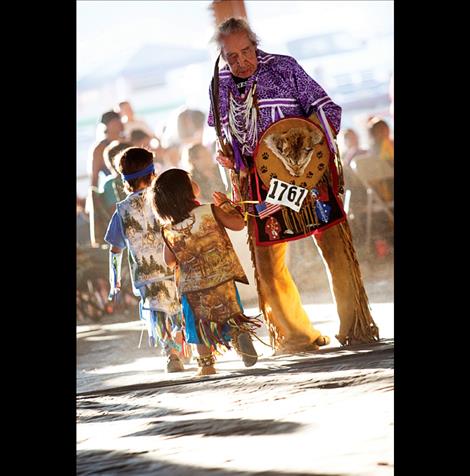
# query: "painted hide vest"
{"type": "Point", "coordinates": [203, 251]}
{"type": "Point", "coordinates": [150, 275]}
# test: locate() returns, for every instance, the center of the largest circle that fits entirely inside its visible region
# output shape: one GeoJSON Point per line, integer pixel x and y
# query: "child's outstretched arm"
{"type": "Point", "coordinates": [230, 218]}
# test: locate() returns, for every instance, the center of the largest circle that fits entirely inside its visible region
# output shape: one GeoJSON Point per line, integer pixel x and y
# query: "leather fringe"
{"type": "Point", "coordinates": [364, 329]}
{"type": "Point", "coordinates": [212, 335]}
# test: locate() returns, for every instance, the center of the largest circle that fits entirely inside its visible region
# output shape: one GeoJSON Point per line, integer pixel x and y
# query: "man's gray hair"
{"type": "Point", "coordinates": [234, 25]}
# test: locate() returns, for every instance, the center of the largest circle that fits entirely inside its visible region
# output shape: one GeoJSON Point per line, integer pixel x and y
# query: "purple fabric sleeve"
{"type": "Point", "coordinates": [308, 91]}
{"type": "Point", "coordinates": [210, 117]}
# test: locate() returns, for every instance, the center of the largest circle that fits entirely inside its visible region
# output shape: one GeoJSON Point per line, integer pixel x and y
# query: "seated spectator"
{"type": "Point", "coordinates": [358, 192]}
{"type": "Point", "coordinates": [352, 148]}
{"type": "Point", "coordinates": [382, 147]}
{"type": "Point", "coordinates": [381, 143]}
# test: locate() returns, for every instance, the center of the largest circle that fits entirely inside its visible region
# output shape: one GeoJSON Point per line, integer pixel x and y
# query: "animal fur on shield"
{"type": "Point", "coordinates": [294, 148]}
{"type": "Point", "coordinates": [295, 151]}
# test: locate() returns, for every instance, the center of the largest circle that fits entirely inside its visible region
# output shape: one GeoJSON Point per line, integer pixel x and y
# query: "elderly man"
{"type": "Point", "coordinates": [255, 90]}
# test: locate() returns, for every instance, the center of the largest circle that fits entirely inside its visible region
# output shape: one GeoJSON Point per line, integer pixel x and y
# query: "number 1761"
{"type": "Point", "coordinates": [295, 195]}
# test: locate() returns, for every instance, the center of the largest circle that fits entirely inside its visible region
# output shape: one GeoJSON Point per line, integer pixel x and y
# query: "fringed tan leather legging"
{"type": "Point", "coordinates": [279, 299]}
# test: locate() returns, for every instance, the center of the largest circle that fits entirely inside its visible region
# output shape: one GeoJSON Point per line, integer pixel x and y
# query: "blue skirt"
{"type": "Point", "coordinates": [190, 331]}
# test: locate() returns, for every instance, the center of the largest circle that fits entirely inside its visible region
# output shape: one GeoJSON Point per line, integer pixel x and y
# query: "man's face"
{"type": "Point", "coordinates": [240, 54]}
{"type": "Point", "coordinates": [114, 128]}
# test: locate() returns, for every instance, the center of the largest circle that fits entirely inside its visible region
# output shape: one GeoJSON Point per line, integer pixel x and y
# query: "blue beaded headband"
{"type": "Point", "coordinates": [140, 173]}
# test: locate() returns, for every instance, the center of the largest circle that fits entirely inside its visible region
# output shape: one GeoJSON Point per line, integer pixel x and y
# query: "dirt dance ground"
{"type": "Point", "coordinates": [323, 413]}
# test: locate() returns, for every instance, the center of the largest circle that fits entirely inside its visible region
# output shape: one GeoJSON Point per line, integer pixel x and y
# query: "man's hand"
{"type": "Point", "coordinates": [224, 161]}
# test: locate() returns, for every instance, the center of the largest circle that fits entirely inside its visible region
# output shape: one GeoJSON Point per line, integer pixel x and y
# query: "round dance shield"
{"type": "Point", "coordinates": [294, 150]}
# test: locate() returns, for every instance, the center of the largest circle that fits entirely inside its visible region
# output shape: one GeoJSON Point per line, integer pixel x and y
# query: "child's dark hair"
{"type": "Point", "coordinates": [132, 160]}
{"type": "Point", "coordinates": [173, 196]}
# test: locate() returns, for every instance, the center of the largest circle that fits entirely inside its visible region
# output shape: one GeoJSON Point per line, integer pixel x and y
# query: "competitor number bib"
{"type": "Point", "coordinates": [283, 193]}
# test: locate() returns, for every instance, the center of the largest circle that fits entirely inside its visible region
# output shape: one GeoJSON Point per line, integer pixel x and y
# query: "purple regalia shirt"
{"type": "Point", "coordinates": [282, 89]}
{"type": "Point", "coordinates": [278, 89]}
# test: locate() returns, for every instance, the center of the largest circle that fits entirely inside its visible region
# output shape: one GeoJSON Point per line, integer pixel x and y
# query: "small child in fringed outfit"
{"type": "Point", "coordinates": [134, 226]}
{"type": "Point", "coordinates": [207, 267]}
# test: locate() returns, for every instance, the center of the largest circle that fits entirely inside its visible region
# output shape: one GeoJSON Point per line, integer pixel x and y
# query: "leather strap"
{"type": "Point", "coordinates": [216, 110]}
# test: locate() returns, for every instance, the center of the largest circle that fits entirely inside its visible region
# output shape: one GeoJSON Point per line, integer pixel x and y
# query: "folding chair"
{"type": "Point", "coordinates": [371, 171]}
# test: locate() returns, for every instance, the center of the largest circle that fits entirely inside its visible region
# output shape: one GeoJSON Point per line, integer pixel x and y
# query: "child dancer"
{"type": "Point", "coordinates": [134, 226]}
{"type": "Point", "coordinates": [207, 267]}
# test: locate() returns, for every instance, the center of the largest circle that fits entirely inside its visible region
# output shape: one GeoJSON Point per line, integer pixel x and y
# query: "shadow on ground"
{"type": "Point", "coordinates": [91, 462]}
{"type": "Point", "coordinates": [373, 356]}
